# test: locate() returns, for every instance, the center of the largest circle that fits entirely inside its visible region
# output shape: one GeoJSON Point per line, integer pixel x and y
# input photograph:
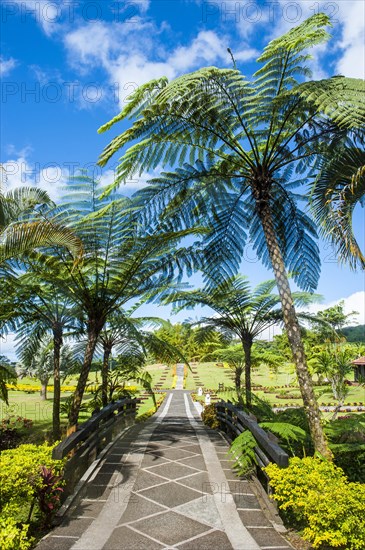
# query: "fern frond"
{"type": "Point", "coordinates": [243, 450]}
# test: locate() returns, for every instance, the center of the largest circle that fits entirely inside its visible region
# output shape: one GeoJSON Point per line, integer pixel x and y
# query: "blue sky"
{"type": "Point", "coordinates": [68, 66]}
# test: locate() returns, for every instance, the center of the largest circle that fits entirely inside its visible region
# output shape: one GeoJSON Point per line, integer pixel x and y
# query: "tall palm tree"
{"type": "Point", "coordinates": [243, 311]}
{"type": "Point", "coordinates": [40, 310]}
{"type": "Point", "coordinates": [122, 262]}
{"type": "Point", "coordinates": [238, 146]}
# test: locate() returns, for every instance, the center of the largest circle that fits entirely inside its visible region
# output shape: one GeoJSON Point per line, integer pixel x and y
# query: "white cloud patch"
{"type": "Point", "coordinates": [344, 53]}
{"type": "Point", "coordinates": [206, 48]}
{"type": "Point", "coordinates": [131, 186]}
{"type": "Point", "coordinates": [47, 14]}
{"type": "Point", "coordinates": [133, 55]}
{"type": "Point", "coordinates": [7, 346]}
{"type": "Point", "coordinates": [7, 65]}
{"type": "Point", "coordinates": [20, 172]}
{"type": "Point", "coordinates": [352, 44]}
{"type": "Point", "coordinates": [354, 302]}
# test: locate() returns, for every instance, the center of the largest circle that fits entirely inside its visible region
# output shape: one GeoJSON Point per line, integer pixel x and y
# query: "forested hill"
{"type": "Point", "coordinates": [354, 334]}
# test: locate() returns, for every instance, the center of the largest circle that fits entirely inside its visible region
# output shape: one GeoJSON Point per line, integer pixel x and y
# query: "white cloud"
{"type": "Point", "coordinates": [352, 18]}
{"type": "Point", "coordinates": [6, 65]}
{"type": "Point", "coordinates": [7, 346]}
{"type": "Point", "coordinates": [206, 48]}
{"type": "Point", "coordinates": [47, 14]}
{"type": "Point", "coordinates": [354, 302]}
{"type": "Point", "coordinates": [134, 184]}
{"type": "Point", "coordinates": [143, 5]}
{"type": "Point", "coordinates": [344, 53]}
{"type": "Point", "coordinates": [128, 54]}
{"type": "Point", "coordinates": [20, 172]}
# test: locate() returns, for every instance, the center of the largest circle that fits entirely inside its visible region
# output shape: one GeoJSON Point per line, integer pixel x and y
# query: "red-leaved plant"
{"type": "Point", "coordinates": [48, 495]}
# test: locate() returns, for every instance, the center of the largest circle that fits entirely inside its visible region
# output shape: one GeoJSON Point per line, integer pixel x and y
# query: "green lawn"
{"type": "Point", "coordinates": [33, 407]}
{"type": "Point", "coordinates": [210, 376]}
{"type": "Point", "coordinates": [30, 405]}
{"type": "Point", "coordinates": [156, 371]}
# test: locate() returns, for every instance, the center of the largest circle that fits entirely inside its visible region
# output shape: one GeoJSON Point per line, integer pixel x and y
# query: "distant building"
{"type": "Point", "coordinates": [359, 369]}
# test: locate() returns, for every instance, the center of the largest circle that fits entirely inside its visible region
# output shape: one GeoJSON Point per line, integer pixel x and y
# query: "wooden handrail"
{"type": "Point", "coordinates": [237, 421]}
{"type": "Point", "coordinates": [93, 425]}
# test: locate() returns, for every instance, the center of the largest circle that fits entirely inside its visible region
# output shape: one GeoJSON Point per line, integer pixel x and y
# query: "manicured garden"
{"type": "Point", "coordinates": [276, 171]}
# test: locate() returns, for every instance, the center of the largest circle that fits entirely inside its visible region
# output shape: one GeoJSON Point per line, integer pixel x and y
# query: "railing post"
{"type": "Point", "coordinates": [229, 417]}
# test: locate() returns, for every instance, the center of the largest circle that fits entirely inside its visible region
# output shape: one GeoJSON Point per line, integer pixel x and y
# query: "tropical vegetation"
{"type": "Point", "coordinates": [274, 161]}
{"type": "Point", "coordinates": [241, 164]}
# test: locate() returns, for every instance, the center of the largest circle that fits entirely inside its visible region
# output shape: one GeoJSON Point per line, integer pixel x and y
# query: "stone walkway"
{"type": "Point", "coordinates": [166, 483]}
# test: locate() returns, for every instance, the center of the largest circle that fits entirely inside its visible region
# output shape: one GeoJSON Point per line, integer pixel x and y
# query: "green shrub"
{"type": "Point", "coordinates": [347, 442]}
{"type": "Point", "coordinates": [352, 462]}
{"type": "Point", "coordinates": [209, 416]}
{"type": "Point", "coordinates": [20, 472]}
{"type": "Point", "coordinates": [318, 497]}
{"type": "Point", "coordinates": [13, 537]}
{"type": "Point", "coordinates": [28, 477]}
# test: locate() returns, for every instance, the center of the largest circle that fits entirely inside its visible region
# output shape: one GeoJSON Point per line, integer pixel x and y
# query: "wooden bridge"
{"type": "Point", "coordinates": [165, 483]}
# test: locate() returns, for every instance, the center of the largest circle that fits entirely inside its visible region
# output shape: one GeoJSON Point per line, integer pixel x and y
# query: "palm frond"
{"type": "Point", "coordinates": [243, 450]}
{"type": "Point", "coordinates": [338, 188]}
{"type": "Point", "coordinates": [7, 375]}
{"type": "Point", "coordinates": [19, 238]}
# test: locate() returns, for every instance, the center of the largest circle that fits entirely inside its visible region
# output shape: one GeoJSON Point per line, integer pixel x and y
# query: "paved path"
{"type": "Point", "coordinates": [166, 483]}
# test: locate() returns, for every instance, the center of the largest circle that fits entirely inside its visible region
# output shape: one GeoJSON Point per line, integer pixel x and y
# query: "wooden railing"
{"type": "Point", "coordinates": [84, 445]}
{"type": "Point", "coordinates": [234, 421]}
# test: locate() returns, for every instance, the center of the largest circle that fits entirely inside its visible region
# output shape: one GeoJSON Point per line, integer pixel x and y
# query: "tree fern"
{"type": "Point", "coordinates": [338, 188]}
{"type": "Point", "coordinates": [122, 262]}
{"type": "Point", "coordinates": [7, 376]}
{"type": "Point", "coordinates": [289, 435]}
{"type": "Point", "coordinates": [243, 451]}
{"type": "Point", "coordinates": [247, 149]}
{"type": "Point", "coordinates": [240, 310]}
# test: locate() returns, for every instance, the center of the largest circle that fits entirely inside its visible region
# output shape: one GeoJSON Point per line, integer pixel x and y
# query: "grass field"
{"type": "Point", "coordinates": [210, 376]}
{"type": "Point", "coordinates": [272, 387]}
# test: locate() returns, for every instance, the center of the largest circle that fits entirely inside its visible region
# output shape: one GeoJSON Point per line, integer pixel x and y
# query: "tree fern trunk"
{"type": "Point", "coordinates": [43, 392]}
{"type": "Point", "coordinates": [57, 344]}
{"type": "Point", "coordinates": [293, 332]}
{"type": "Point", "coordinates": [93, 334]}
{"type": "Point", "coordinates": [247, 345]}
{"type": "Point", "coordinates": [104, 376]}
{"type": "Point", "coordinates": [237, 378]}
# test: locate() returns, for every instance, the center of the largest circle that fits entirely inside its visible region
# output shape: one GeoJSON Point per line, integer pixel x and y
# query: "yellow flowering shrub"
{"type": "Point", "coordinates": [317, 495]}
{"type": "Point", "coordinates": [64, 388]}
{"type": "Point", "coordinates": [19, 472]}
{"type": "Point", "coordinates": [20, 478]}
{"type": "Point", "coordinates": [13, 536]}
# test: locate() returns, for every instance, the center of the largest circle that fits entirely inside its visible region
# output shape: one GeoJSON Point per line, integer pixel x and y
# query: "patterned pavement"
{"type": "Point", "coordinates": [167, 484]}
